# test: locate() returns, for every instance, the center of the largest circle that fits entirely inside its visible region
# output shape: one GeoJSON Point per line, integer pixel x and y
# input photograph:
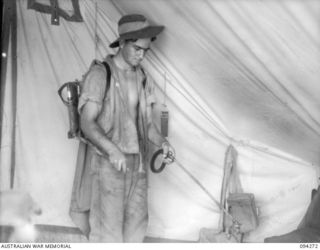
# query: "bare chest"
{"type": "Point", "coordinates": [130, 91]}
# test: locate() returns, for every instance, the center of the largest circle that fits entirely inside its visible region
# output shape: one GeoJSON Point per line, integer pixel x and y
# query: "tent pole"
{"type": "Point", "coordinates": [5, 36]}
{"type": "Point", "coordinates": [9, 33]}
{"type": "Point", "coordinates": [14, 87]}
{"type": "Point", "coordinates": [9, 29]}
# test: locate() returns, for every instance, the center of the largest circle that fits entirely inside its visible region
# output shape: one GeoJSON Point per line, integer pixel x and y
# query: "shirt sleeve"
{"type": "Point", "coordinates": [93, 86]}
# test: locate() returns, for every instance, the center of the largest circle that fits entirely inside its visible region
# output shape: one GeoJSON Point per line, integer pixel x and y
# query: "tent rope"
{"type": "Point", "coordinates": [165, 89]}
{"type": "Point", "coordinates": [96, 30]}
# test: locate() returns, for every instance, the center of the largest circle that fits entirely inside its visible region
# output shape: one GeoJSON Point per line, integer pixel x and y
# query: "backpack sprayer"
{"type": "Point", "coordinates": [69, 94]}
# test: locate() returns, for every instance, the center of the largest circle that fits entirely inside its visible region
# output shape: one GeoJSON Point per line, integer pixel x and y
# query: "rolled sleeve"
{"type": "Point", "coordinates": [93, 86]}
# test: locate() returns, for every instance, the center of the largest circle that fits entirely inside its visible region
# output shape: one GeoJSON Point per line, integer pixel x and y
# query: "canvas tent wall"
{"type": "Point", "coordinates": [238, 72]}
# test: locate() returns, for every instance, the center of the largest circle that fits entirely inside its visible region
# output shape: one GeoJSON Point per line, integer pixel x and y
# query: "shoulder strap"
{"type": "Point", "coordinates": [106, 65]}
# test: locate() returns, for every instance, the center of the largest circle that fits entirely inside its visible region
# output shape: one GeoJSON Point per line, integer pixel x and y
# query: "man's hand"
{"type": "Point", "coordinates": [168, 153]}
{"type": "Point", "coordinates": [118, 160]}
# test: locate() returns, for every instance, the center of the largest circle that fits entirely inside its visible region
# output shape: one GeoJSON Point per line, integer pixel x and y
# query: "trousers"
{"type": "Point", "coordinates": [118, 211]}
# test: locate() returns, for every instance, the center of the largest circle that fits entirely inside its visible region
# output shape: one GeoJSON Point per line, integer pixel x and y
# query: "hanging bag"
{"type": "Point", "coordinates": [225, 233]}
{"type": "Point", "coordinates": [240, 205]}
{"type": "Point", "coordinates": [238, 214]}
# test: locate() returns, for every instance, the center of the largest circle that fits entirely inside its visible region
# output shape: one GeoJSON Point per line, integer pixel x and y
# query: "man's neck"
{"type": "Point", "coordinates": [121, 63]}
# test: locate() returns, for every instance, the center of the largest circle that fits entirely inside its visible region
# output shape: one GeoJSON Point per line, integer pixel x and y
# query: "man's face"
{"type": "Point", "coordinates": [134, 52]}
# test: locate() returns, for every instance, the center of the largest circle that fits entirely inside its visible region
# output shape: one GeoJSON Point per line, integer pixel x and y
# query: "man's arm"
{"type": "Point", "coordinates": [94, 133]}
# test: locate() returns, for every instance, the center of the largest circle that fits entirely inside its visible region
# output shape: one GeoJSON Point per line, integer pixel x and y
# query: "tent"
{"type": "Point", "coordinates": [243, 73]}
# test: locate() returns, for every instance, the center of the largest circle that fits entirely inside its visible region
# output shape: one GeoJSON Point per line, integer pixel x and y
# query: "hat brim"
{"type": "Point", "coordinates": [147, 32]}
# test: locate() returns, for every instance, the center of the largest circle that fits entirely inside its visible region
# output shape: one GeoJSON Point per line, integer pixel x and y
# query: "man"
{"type": "Point", "coordinates": [117, 120]}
